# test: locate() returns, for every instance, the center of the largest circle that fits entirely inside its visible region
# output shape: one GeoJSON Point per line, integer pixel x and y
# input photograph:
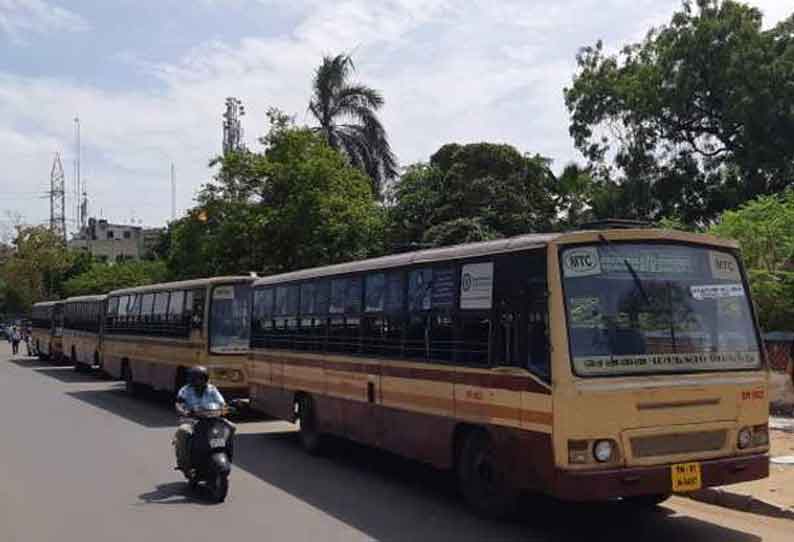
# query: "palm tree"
{"type": "Point", "coordinates": [346, 114]}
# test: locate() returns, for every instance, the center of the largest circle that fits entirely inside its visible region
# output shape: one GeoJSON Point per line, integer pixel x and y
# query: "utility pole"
{"type": "Point", "coordinates": [232, 127]}
{"type": "Point", "coordinates": [58, 198]}
{"type": "Point", "coordinates": [81, 197]}
{"type": "Point", "coordinates": [173, 192]}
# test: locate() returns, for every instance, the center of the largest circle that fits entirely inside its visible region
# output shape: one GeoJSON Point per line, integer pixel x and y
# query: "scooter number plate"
{"type": "Point", "coordinates": [217, 443]}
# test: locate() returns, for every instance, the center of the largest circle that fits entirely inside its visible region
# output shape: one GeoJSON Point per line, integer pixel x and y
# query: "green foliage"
{"type": "Point", "coordinates": [296, 204]}
{"type": "Point", "coordinates": [101, 278]}
{"type": "Point", "coordinates": [346, 113]}
{"type": "Point", "coordinates": [478, 191]}
{"type": "Point", "coordinates": [695, 119]}
{"type": "Point", "coordinates": [764, 228]}
{"type": "Point", "coordinates": [36, 269]}
{"type": "Point", "coordinates": [773, 294]}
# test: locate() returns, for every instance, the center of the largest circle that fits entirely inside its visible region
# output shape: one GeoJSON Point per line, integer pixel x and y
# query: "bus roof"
{"type": "Point", "coordinates": [487, 248]}
{"type": "Point", "coordinates": [48, 303]}
{"type": "Point", "coordinates": [183, 284]}
{"type": "Point", "coordinates": [469, 250]}
{"type": "Point", "coordinates": [84, 298]}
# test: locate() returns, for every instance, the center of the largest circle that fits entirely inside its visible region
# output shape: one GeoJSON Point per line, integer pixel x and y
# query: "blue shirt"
{"type": "Point", "coordinates": [192, 400]}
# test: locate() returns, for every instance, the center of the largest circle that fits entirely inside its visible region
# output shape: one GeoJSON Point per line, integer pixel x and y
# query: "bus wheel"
{"type": "Point", "coordinates": [129, 384]}
{"type": "Point", "coordinates": [647, 501]}
{"type": "Point", "coordinates": [482, 482]}
{"type": "Point", "coordinates": [310, 438]}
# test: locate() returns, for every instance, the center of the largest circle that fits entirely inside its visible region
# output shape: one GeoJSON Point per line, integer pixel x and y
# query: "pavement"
{"type": "Point", "coordinates": [81, 461]}
{"type": "Point", "coordinates": [773, 496]}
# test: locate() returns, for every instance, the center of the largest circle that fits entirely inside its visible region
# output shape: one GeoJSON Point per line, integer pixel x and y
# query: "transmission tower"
{"type": "Point", "coordinates": [232, 128]}
{"type": "Point", "coordinates": [58, 198]}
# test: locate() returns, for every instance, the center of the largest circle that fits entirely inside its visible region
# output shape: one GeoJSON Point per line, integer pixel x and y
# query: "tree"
{"type": "Point", "coordinates": [296, 204]}
{"type": "Point", "coordinates": [764, 228]}
{"type": "Point", "coordinates": [471, 193]}
{"type": "Point", "coordinates": [346, 113]}
{"type": "Point", "coordinates": [36, 269]}
{"type": "Point", "coordinates": [101, 278]}
{"type": "Point", "coordinates": [696, 118]}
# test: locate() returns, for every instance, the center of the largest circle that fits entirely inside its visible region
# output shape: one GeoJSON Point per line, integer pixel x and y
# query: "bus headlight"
{"type": "Point", "coordinates": [745, 437]}
{"type": "Point", "coordinates": [760, 435]}
{"type": "Point", "coordinates": [603, 450]}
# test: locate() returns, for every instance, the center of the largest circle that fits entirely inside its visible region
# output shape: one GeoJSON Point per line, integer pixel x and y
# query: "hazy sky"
{"type": "Point", "coordinates": [148, 79]}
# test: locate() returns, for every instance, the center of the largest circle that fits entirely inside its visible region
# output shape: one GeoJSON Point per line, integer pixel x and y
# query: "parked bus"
{"type": "Point", "coordinates": [155, 334]}
{"type": "Point", "coordinates": [587, 365]}
{"type": "Point", "coordinates": [47, 330]}
{"type": "Point", "coordinates": [82, 330]}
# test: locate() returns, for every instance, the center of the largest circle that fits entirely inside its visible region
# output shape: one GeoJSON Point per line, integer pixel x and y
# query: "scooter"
{"type": "Point", "coordinates": [211, 451]}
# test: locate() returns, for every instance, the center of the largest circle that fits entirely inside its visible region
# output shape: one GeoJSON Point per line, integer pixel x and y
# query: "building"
{"type": "Point", "coordinates": [115, 242]}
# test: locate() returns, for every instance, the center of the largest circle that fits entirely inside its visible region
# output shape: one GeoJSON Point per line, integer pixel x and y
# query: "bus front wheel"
{"type": "Point", "coordinates": [482, 481]}
{"type": "Point", "coordinates": [130, 386]}
{"type": "Point", "coordinates": [310, 437]}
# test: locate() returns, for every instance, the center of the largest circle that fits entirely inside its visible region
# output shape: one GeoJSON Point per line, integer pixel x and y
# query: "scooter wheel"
{"type": "Point", "coordinates": [219, 487]}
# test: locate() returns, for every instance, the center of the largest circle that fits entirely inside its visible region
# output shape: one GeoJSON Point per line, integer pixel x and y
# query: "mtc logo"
{"type": "Point", "coordinates": [580, 261]}
{"type": "Point", "coordinates": [725, 266]}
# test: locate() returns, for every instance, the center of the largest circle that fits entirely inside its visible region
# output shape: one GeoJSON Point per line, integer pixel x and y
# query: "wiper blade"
{"type": "Point", "coordinates": [634, 275]}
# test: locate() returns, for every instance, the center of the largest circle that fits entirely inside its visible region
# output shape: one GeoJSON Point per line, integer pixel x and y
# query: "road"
{"type": "Point", "coordinates": [80, 461]}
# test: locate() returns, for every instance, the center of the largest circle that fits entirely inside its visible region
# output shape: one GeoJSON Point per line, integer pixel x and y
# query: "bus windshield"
{"type": "Point", "coordinates": [637, 308]}
{"type": "Point", "coordinates": [230, 324]}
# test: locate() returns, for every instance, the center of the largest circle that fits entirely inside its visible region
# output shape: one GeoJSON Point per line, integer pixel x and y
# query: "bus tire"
{"type": "Point", "coordinates": [130, 386]}
{"type": "Point", "coordinates": [78, 367]}
{"type": "Point", "coordinates": [484, 487]}
{"type": "Point", "coordinates": [310, 437]}
{"type": "Point", "coordinates": [647, 501]}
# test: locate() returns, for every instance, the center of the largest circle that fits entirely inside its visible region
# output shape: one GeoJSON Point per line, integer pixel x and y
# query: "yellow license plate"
{"type": "Point", "coordinates": [686, 477]}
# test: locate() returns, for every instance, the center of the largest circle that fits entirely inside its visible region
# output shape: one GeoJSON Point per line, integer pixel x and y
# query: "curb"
{"type": "Point", "coordinates": [743, 503]}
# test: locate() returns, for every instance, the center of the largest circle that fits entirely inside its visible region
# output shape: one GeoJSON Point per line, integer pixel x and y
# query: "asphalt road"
{"type": "Point", "coordinates": [80, 461]}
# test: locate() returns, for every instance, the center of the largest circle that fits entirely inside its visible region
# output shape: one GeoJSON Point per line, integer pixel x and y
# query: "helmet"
{"type": "Point", "coordinates": [199, 375]}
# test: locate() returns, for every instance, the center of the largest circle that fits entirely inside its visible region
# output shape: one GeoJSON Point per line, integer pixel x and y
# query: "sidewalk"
{"type": "Point", "coordinates": [773, 496]}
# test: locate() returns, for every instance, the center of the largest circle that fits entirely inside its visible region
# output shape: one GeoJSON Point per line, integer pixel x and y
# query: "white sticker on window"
{"type": "Point", "coordinates": [581, 262]}
{"type": "Point", "coordinates": [223, 292]}
{"type": "Point", "coordinates": [476, 285]}
{"type": "Point", "coordinates": [723, 266]}
{"type": "Point", "coordinates": [716, 291]}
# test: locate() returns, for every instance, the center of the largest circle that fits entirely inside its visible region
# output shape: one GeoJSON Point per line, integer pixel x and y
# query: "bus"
{"type": "Point", "coordinates": [154, 334]}
{"type": "Point", "coordinates": [589, 365]}
{"type": "Point", "coordinates": [83, 317]}
{"type": "Point", "coordinates": [47, 330]}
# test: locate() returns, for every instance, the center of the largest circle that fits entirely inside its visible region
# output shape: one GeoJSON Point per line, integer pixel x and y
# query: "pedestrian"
{"type": "Point", "coordinates": [26, 338]}
{"type": "Point", "coordinates": [16, 337]}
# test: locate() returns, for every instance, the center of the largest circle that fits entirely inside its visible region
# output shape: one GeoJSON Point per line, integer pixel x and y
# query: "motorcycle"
{"type": "Point", "coordinates": [211, 451]}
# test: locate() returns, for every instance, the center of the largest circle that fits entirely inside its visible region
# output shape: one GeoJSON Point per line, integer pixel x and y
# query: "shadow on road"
{"type": "Point", "coordinates": [391, 498]}
{"type": "Point", "coordinates": [175, 493]}
{"type": "Point", "coordinates": [153, 412]}
{"type": "Point", "coordinates": [68, 375]}
{"type": "Point", "coordinates": [29, 363]}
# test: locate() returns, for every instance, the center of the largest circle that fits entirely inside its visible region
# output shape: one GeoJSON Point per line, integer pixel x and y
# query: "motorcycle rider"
{"type": "Point", "coordinates": [197, 394]}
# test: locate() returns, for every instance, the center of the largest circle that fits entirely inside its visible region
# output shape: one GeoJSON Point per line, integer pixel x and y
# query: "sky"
{"type": "Point", "coordinates": [148, 80]}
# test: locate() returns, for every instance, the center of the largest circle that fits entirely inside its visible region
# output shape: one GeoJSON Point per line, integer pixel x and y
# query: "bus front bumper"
{"type": "Point", "coordinates": [635, 481]}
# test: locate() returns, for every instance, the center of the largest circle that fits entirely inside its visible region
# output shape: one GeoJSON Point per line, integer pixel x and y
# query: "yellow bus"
{"type": "Point", "coordinates": [154, 334]}
{"type": "Point", "coordinates": [47, 330]}
{"type": "Point", "coordinates": [83, 317]}
{"type": "Point", "coordinates": [590, 365]}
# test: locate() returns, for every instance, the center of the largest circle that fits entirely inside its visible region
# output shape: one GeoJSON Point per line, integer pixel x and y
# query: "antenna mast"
{"type": "Point", "coordinates": [58, 198]}
{"type": "Point", "coordinates": [173, 192]}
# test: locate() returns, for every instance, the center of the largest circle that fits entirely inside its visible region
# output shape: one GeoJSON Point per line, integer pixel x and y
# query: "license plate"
{"type": "Point", "coordinates": [686, 477]}
{"type": "Point", "coordinates": [217, 443]}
